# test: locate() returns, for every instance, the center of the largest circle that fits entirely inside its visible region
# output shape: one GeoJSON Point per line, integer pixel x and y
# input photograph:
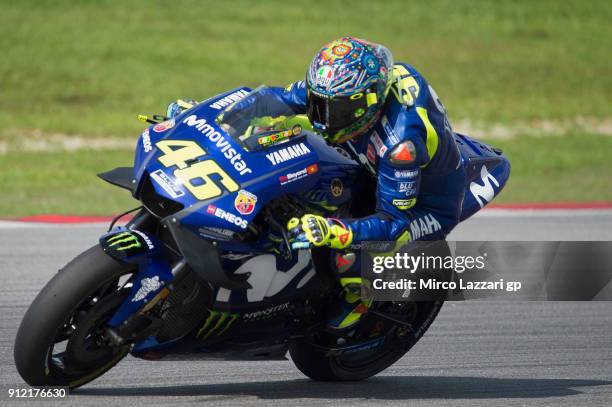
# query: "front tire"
{"type": "Point", "coordinates": [70, 312]}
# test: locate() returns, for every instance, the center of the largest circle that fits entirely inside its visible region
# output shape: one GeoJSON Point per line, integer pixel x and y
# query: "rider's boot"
{"type": "Point", "coordinates": [350, 306]}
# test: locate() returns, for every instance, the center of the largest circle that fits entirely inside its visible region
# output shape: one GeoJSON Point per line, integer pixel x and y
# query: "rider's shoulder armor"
{"type": "Point", "coordinates": [414, 127]}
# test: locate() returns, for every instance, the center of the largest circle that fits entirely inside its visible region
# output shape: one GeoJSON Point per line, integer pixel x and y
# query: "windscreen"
{"type": "Point", "coordinates": [259, 119]}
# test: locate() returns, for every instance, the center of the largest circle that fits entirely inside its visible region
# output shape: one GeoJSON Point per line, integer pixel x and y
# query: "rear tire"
{"type": "Point", "coordinates": [316, 364]}
{"type": "Point", "coordinates": [85, 287]}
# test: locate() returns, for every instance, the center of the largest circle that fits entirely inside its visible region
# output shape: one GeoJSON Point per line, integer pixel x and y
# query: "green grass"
{"type": "Point", "coordinates": [572, 168]}
{"type": "Point", "coordinates": [576, 167]}
{"type": "Point", "coordinates": [62, 183]}
{"type": "Point", "coordinates": [88, 67]}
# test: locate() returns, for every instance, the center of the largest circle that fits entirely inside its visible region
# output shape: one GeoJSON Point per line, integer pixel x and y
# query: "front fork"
{"type": "Point", "coordinates": [151, 284]}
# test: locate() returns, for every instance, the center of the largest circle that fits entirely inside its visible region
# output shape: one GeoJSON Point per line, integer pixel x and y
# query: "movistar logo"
{"type": "Point", "coordinates": [124, 241]}
{"type": "Point", "coordinates": [484, 193]}
{"type": "Point", "coordinates": [217, 323]}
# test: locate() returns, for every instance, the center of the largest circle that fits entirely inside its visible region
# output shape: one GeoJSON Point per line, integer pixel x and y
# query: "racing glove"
{"type": "Point", "coordinates": [179, 106]}
{"type": "Point", "coordinates": [320, 231]}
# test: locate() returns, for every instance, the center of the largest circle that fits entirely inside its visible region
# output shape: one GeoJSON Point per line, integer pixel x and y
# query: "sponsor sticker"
{"type": "Point", "coordinates": [391, 134]}
{"type": "Point", "coordinates": [278, 137]}
{"type": "Point", "coordinates": [288, 153]}
{"type": "Point", "coordinates": [336, 187]}
{"type": "Point", "coordinates": [147, 285]}
{"type": "Point", "coordinates": [294, 176]}
{"type": "Point", "coordinates": [229, 99]}
{"type": "Point", "coordinates": [227, 216]}
{"type": "Point", "coordinates": [344, 237]}
{"type": "Point", "coordinates": [403, 204]}
{"type": "Point", "coordinates": [123, 241]}
{"type": "Point", "coordinates": [423, 226]}
{"type": "Point", "coordinates": [409, 188]}
{"type": "Point", "coordinates": [245, 202]}
{"type": "Point", "coordinates": [325, 75]}
{"type": "Point", "coordinates": [344, 261]}
{"type": "Point", "coordinates": [146, 239]}
{"type": "Point", "coordinates": [266, 312]}
{"type": "Point", "coordinates": [167, 184]}
{"type": "Point", "coordinates": [380, 146]}
{"type": "Point", "coordinates": [371, 154]}
{"type": "Point", "coordinates": [163, 126]}
{"type": "Point", "coordinates": [219, 142]}
{"type": "Point", "coordinates": [406, 173]}
{"type": "Point", "coordinates": [146, 141]}
{"type": "Point", "coordinates": [216, 233]}
{"type": "Point", "coordinates": [484, 193]}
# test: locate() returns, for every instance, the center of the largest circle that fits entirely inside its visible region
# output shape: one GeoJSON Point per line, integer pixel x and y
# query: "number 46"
{"type": "Point", "coordinates": [183, 154]}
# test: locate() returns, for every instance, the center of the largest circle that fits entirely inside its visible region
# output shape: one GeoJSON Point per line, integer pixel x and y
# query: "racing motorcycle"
{"type": "Point", "coordinates": [205, 267]}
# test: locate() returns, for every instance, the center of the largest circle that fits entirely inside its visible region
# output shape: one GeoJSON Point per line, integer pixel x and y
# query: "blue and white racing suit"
{"type": "Point", "coordinates": [418, 197]}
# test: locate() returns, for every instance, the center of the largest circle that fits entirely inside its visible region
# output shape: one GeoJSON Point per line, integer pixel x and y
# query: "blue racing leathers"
{"type": "Point", "coordinates": [412, 153]}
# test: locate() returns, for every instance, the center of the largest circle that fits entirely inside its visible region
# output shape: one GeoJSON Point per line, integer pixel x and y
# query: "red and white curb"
{"type": "Point", "coordinates": [63, 219]}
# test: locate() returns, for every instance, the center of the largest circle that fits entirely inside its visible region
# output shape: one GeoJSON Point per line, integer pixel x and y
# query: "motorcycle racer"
{"type": "Point", "coordinates": [388, 118]}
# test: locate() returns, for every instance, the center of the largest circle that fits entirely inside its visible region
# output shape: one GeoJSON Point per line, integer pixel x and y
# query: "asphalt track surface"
{"type": "Point", "coordinates": [475, 354]}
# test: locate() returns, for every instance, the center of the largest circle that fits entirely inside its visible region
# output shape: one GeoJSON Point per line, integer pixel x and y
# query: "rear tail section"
{"type": "Point", "coordinates": [487, 171]}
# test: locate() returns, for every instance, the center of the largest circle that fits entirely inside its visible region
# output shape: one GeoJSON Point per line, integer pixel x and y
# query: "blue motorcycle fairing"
{"type": "Point", "coordinates": [272, 182]}
{"type": "Point", "coordinates": [268, 173]}
{"type": "Point", "coordinates": [263, 182]}
{"type": "Point", "coordinates": [130, 245]}
{"type": "Point", "coordinates": [145, 146]}
{"type": "Point", "coordinates": [135, 247]}
{"type": "Point", "coordinates": [152, 277]}
{"type": "Point", "coordinates": [303, 163]}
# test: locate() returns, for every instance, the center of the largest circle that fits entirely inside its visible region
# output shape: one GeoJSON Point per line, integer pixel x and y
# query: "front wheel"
{"type": "Point", "coordinates": [62, 340]}
{"type": "Point", "coordinates": [380, 343]}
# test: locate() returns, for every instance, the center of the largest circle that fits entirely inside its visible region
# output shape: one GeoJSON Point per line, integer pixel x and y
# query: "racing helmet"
{"type": "Point", "coordinates": [347, 84]}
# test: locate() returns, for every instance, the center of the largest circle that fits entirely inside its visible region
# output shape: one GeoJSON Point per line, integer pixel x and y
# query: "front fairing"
{"type": "Point", "coordinates": [255, 177]}
{"type": "Point", "coordinates": [212, 185]}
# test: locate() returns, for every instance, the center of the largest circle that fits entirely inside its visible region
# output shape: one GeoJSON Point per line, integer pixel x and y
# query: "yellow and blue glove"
{"type": "Point", "coordinates": [319, 231]}
{"type": "Point", "coordinates": [179, 106]}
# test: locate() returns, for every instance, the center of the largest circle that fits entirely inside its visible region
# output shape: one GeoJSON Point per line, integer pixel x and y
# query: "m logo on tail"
{"type": "Point", "coordinates": [484, 192]}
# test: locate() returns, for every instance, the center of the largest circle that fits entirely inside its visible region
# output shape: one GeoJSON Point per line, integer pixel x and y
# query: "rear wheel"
{"type": "Point", "coordinates": [375, 344]}
{"type": "Point", "coordinates": [62, 339]}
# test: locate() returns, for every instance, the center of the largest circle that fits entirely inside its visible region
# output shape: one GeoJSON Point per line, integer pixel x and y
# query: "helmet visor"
{"type": "Point", "coordinates": [334, 114]}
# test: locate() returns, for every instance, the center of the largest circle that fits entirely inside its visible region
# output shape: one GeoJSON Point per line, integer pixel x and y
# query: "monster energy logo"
{"type": "Point", "coordinates": [217, 323]}
{"type": "Point", "coordinates": [125, 241]}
